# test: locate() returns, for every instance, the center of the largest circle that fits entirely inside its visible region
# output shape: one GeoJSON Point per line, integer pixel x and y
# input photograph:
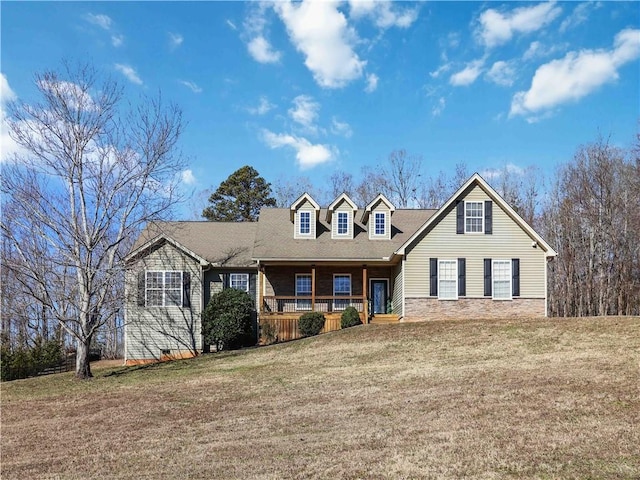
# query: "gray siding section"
{"type": "Point", "coordinates": [150, 330]}
{"type": "Point", "coordinates": [507, 241]}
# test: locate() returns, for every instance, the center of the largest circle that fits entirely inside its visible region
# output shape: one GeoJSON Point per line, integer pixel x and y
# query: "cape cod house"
{"type": "Point", "coordinates": [475, 257]}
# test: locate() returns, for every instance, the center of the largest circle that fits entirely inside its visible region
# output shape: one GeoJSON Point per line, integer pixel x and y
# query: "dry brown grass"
{"type": "Point", "coordinates": [549, 398]}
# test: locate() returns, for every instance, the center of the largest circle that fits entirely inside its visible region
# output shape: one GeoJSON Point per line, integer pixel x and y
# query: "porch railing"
{"type": "Point", "coordinates": [302, 304]}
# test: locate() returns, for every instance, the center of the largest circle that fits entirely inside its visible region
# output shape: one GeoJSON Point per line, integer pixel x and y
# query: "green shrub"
{"type": "Point", "coordinates": [350, 318]}
{"type": "Point", "coordinates": [227, 321]}
{"type": "Point", "coordinates": [311, 323]}
{"type": "Point", "coordinates": [23, 362]}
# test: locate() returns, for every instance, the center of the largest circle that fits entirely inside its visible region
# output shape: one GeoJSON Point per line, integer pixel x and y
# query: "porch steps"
{"type": "Point", "coordinates": [384, 318]}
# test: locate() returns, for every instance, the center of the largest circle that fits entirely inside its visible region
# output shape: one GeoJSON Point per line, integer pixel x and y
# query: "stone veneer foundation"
{"type": "Point", "coordinates": [424, 309]}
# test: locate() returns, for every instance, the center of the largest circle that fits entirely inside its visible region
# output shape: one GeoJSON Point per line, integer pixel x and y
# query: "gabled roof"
{"type": "Point", "coordinates": [275, 240]}
{"type": "Point", "coordinates": [476, 179]}
{"type": "Point", "coordinates": [224, 244]}
{"type": "Point", "coordinates": [342, 198]}
{"type": "Point", "coordinates": [379, 199]}
{"type": "Point", "coordinates": [301, 199]}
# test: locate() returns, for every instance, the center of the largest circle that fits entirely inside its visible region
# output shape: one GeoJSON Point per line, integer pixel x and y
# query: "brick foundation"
{"type": "Point", "coordinates": [421, 309]}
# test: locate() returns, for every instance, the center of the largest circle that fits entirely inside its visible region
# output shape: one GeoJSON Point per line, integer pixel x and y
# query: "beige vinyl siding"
{"type": "Point", "coordinates": [380, 208]}
{"type": "Point", "coordinates": [306, 207]}
{"type": "Point", "coordinates": [397, 293]}
{"type": "Point", "coordinates": [507, 241]}
{"type": "Point", "coordinates": [343, 207]}
{"type": "Point", "coordinates": [149, 330]}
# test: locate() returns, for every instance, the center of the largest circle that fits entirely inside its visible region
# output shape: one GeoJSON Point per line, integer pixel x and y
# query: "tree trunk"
{"type": "Point", "coordinates": [83, 368]}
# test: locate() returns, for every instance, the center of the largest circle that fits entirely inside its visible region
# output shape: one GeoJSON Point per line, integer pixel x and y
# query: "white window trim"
{"type": "Point", "coordinates": [335, 302]}
{"type": "Point", "coordinates": [304, 308]}
{"type": "Point", "coordinates": [244, 275]}
{"type": "Point", "coordinates": [163, 288]}
{"type": "Point", "coordinates": [346, 233]}
{"type": "Point", "coordinates": [300, 232]}
{"type": "Point", "coordinates": [373, 225]}
{"type": "Point", "coordinates": [493, 279]}
{"type": "Point", "coordinates": [455, 279]}
{"type": "Point", "coordinates": [482, 216]}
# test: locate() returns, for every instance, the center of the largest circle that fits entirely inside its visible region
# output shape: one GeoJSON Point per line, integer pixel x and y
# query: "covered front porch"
{"type": "Point", "coordinates": [287, 291]}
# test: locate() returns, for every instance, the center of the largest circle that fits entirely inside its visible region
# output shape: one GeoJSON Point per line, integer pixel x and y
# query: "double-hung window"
{"type": "Point", "coordinates": [239, 281]}
{"type": "Point", "coordinates": [473, 217]}
{"type": "Point", "coordinates": [303, 289]}
{"type": "Point", "coordinates": [305, 223]}
{"type": "Point", "coordinates": [341, 288]}
{"type": "Point", "coordinates": [343, 223]}
{"type": "Point", "coordinates": [380, 223]}
{"type": "Point", "coordinates": [448, 279]}
{"type": "Point", "coordinates": [501, 276]}
{"type": "Point", "coordinates": [163, 288]}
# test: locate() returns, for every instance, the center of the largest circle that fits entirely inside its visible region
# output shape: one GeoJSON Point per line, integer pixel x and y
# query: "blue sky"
{"type": "Point", "coordinates": [309, 88]}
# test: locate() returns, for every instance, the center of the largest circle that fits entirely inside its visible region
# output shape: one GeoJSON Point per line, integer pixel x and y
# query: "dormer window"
{"type": "Point", "coordinates": [343, 223]}
{"type": "Point", "coordinates": [380, 224]}
{"type": "Point", "coordinates": [378, 217]}
{"type": "Point", "coordinates": [304, 215]}
{"type": "Point", "coordinates": [340, 216]}
{"type": "Point", "coordinates": [305, 223]}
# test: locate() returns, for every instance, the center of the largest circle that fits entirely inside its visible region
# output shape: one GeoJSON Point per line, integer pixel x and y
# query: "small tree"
{"type": "Point", "coordinates": [350, 318]}
{"type": "Point", "coordinates": [227, 320]}
{"type": "Point", "coordinates": [240, 197]}
{"type": "Point", "coordinates": [311, 323]}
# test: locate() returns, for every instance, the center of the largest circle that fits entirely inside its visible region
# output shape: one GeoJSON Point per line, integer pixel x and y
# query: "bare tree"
{"type": "Point", "coordinates": [403, 174]}
{"type": "Point", "coordinates": [92, 175]}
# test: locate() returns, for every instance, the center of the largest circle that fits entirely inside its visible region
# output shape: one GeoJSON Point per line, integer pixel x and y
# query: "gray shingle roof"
{"type": "Point", "coordinates": [228, 244]}
{"type": "Point", "coordinates": [274, 238]}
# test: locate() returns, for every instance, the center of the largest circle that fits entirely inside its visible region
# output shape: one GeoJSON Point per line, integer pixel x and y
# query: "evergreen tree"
{"type": "Point", "coordinates": [240, 197]}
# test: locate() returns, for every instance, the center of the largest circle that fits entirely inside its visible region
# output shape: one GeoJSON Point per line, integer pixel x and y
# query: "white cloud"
{"type": "Point", "coordinates": [74, 95]}
{"type": "Point", "coordinates": [320, 31]}
{"type": "Point", "coordinates": [188, 178]}
{"type": "Point", "coordinates": [341, 128]}
{"type": "Point", "coordinates": [191, 86]}
{"type": "Point", "coordinates": [444, 68]}
{"type": "Point", "coordinates": [117, 40]}
{"type": "Point", "coordinates": [264, 106]}
{"type": "Point", "coordinates": [305, 111]}
{"type": "Point", "coordinates": [372, 83]}
{"type": "Point", "coordinates": [231, 25]}
{"type": "Point", "coordinates": [262, 51]}
{"type": "Point", "coordinates": [384, 13]}
{"type": "Point", "coordinates": [129, 72]}
{"type": "Point", "coordinates": [467, 75]}
{"type": "Point", "coordinates": [509, 169]}
{"type": "Point", "coordinates": [175, 40]}
{"type": "Point", "coordinates": [579, 15]}
{"type": "Point", "coordinates": [101, 20]}
{"type": "Point", "coordinates": [576, 75]}
{"type": "Point", "coordinates": [8, 146]}
{"type": "Point", "coordinates": [538, 50]}
{"type": "Point", "coordinates": [308, 155]}
{"type": "Point", "coordinates": [497, 28]}
{"type": "Point", "coordinates": [438, 108]}
{"type": "Point", "coordinates": [502, 73]}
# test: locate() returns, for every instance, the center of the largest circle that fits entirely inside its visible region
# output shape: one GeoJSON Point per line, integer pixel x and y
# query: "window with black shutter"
{"type": "Point", "coordinates": [433, 277]}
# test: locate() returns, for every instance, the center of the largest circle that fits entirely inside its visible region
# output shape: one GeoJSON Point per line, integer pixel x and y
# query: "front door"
{"type": "Point", "coordinates": [379, 295]}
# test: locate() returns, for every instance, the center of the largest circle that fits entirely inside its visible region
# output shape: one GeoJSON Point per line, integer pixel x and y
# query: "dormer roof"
{"type": "Point", "coordinates": [305, 197]}
{"type": "Point", "coordinates": [343, 198]}
{"type": "Point", "coordinates": [374, 203]}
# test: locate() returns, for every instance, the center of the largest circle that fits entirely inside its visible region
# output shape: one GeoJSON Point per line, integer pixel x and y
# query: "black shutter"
{"type": "Point", "coordinates": [487, 277]}
{"type": "Point", "coordinates": [462, 280]}
{"type": "Point", "coordinates": [460, 217]}
{"type": "Point", "coordinates": [141, 288]}
{"type": "Point", "coordinates": [515, 277]}
{"type": "Point", "coordinates": [186, 289]}
{"type": "Point", "coordinates": [488, 217]}
{"type": "Point", "coordinates": [225, 280]}
{"type": "Point", "coordinates": [433, 277]}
